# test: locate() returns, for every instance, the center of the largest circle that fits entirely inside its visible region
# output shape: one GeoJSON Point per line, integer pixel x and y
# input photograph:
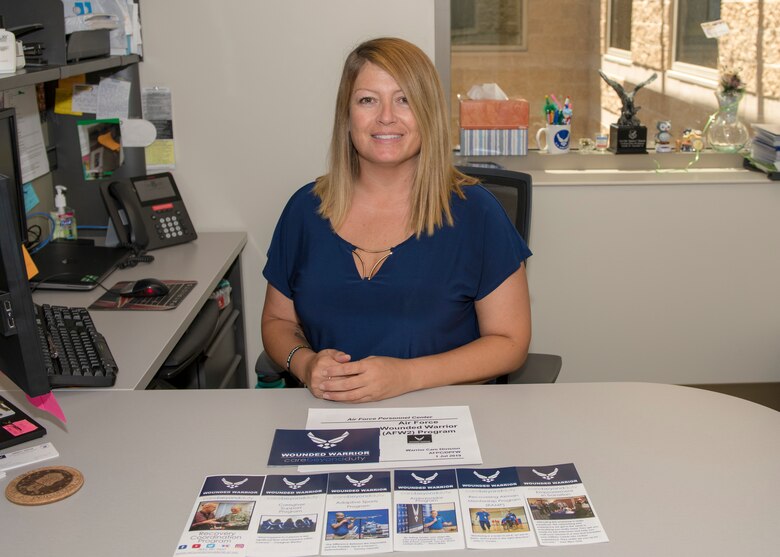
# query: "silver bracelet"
{"type": "Point", "coordinates": [292, 353]}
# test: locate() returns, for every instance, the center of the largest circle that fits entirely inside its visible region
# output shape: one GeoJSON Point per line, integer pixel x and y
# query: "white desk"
{"type": "Point", "coordinates": [140, 341]}
{"type": "Point", "coordinates": [670, 470]}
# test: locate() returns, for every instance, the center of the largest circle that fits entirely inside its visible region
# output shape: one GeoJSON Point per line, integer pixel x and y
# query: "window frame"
{"type": "Point", "coordinates": [685, 71]}
{"type": "Point", "coordinates": [619, 55]}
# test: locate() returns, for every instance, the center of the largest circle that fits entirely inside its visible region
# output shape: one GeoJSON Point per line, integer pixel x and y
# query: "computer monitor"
{"type": "Point", "coordinates": [10, 167]}
{"type": "Point", "coordinates": [21, 357]}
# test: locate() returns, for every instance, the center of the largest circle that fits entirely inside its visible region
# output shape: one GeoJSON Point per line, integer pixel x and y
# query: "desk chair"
{"type": "Point", "coordinates": [178, 371]}
{"type": "Point", "coordinates": [514, 190]}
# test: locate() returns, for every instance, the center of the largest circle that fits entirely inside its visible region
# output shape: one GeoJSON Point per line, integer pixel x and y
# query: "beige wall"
{"type": "Point", "coordinates": [254, 86]}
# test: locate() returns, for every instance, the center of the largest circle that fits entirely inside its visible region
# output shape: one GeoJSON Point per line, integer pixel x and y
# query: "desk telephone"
{"type": "Point", "coordinates": [148, 212]}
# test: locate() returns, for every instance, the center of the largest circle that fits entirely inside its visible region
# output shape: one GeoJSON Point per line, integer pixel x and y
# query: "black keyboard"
{"type": "Point", "coordinates": [76, 354]}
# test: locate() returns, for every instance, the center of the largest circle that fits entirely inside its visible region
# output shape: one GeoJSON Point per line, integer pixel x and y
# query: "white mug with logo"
{"type": "Point", "coordinates": [557, 139]}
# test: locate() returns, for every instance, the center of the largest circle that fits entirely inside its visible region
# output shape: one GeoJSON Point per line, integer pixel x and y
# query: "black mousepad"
{"type": "Point", "coordinates": [177, 291]}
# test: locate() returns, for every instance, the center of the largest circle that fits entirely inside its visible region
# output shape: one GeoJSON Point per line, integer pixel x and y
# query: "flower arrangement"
{"type": "Point", "coordinates": [731, 83]}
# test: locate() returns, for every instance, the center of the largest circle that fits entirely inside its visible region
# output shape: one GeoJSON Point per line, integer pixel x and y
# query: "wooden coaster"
{"type": "Point", "coordinates": [44, 485]}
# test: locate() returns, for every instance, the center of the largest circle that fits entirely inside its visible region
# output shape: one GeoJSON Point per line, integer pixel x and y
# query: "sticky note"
{"type": "Point", "coordinates": [32, 269]}
{"type": "Point", "coordinates": [49, 404]}
{"type": "Point", "coordinates": [30, 197]}
{"type": "Point", "coordinates": [20, 427]}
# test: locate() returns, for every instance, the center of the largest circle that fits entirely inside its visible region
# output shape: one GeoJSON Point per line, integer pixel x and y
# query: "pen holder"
{"type": "Point", "coordinates": [557, 138]}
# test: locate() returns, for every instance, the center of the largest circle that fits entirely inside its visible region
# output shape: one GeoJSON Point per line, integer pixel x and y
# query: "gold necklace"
{"type": "Point", "coordinates": [372, 272]}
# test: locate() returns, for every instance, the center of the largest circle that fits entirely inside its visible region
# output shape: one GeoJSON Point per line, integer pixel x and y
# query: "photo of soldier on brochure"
{"type": "Point", "coordinates": [426, 518]}
{"type": "Point", "coordinates": [286, 524]}
{"type": "Point", "coordinates": [223, 515]}
{"type": "Point", "coordinates": [358, 525]}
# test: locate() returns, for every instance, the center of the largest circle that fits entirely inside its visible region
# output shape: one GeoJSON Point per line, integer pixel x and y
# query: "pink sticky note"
{"type": "Point", "coordinates": [20, 427]}
{"type": "Point", "coordinates": [49, 404]}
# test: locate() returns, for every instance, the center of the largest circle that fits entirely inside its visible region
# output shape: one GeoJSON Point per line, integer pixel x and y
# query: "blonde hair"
{"type": "Point", "coordinates": [435, 178]}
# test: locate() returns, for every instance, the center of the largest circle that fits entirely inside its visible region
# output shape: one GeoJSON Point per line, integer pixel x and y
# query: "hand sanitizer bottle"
{"type": "Point", "coordinates": [7, 49]}
{"type": "Point", "coordinates": [64, 217]}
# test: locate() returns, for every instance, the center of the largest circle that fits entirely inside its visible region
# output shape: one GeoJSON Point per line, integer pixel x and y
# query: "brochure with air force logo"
{"type": "Point", "coordinates": [436, 436]}
{"type": "Point", "coordinates": [292, 447]}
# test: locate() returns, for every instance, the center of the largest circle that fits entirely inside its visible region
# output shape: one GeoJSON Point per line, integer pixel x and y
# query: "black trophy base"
{"type": "Point", "coordinates": [627, 139]}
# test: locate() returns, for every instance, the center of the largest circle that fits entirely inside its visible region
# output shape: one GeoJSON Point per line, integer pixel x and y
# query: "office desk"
{"type": "Point", "coordinates": [141, 340]}
{"type": "Point", "coordinates": [670, 470]}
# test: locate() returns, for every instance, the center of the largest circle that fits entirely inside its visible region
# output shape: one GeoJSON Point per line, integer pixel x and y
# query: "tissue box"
{"type": "Point", "coordinates": [494, 142]}
{"type": "Point", "coordinates": [493, 114]}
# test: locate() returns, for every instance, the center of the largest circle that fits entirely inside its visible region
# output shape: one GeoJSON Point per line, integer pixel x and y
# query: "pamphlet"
{"type": "Point", "coordinates": [219, 523]}
{"type": "Point", "coordinates": [437, 436]}
{"type": "Point", "coordinates": [495, 513]}
{"type": "Point", "coordinates": [357, 514]}
{"type": "Point", "coordinates": [560, 507]}
{"type": "Point", "coordinates": [290, 515]}
{"type": "Point", "coordinates": [427, 510]}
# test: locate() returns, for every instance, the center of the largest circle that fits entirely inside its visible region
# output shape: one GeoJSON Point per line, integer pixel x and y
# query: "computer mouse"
{"type": "Point", "coordinates": [145, 288]}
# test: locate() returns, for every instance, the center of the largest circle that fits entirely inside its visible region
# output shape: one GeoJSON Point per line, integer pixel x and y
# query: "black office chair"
{"type": "Point", "coordinates": [178, 371]}
{"type": "Point", "coordinates": [514, 191]}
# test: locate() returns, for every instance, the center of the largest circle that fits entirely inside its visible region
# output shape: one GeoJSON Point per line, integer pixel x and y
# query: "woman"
{"type": "Point", "coordinates": [394, 272]}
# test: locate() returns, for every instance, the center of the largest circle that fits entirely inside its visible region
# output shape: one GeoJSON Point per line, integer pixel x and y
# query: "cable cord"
{"type": "Point", "coordinates": [139, 256]}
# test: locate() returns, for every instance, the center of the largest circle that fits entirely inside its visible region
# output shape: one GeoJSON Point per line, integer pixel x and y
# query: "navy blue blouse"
{"type": "Point", "coordinates": [421, 299]}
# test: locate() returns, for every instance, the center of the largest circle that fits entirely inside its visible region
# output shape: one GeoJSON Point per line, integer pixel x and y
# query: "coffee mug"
{"type": "Point", "coordinates": [556, 140]}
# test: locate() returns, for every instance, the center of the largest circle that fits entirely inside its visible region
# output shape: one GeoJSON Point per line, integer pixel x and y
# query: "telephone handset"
{"type": "Point", "coordinates": [148, 212]}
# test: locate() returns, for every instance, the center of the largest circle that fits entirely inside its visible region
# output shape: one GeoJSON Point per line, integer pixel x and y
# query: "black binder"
{"type": "Point", "coordinates": [16, 426]}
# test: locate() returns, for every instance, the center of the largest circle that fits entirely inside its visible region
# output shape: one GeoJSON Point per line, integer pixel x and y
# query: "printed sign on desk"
{"type": "Point", "coordinates": [324, 446]}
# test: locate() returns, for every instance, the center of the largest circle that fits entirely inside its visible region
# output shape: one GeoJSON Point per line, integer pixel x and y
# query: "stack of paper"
{"type": "Point", "coordinates": [766, 144]}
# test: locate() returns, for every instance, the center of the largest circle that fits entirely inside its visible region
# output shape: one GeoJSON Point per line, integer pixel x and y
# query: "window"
{"type": "Point", "coordinates": [692, 46]}
{"type": "Point", "coordinates": [620, 24]}
{"type": "Point", "coordinates": [663, 37]}
{"type": "Point", "coordinates": [487, 24]}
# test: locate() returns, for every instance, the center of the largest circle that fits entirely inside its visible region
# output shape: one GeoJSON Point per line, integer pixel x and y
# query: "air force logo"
{"type": "Point", "coordinates": [295, 485]}
{"type": "Point", "coordinates": [423, 438]}
{"type": "Point", "coordinates": [425, 481]}
{"type": "Point", "coordinates": [234, 485]}
{"type": "Point", "coordinates": [327, 443]}
{"type": "Point", "coordinates": [548, 477]}
{"type": "Point", "coordinates": [359, 483]}
{"type": "Point", "coordinates": [487, 479]}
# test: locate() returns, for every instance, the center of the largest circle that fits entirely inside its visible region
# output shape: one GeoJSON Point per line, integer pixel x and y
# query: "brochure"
{"type": "Point", "coordinates": [561, 510]}
{"type": "Point", "coordinates": [427, 510]}
{"type": "Point", "coordinates": [290, 515]}
{"type": "Point", "coordinates": [219, 523]}
{"type": "Point", "coordinates": [357, 514]}
{"type": "Point", "coordinates": [494, 510]}
{"type": "Point", "coordinates": [416, 437]}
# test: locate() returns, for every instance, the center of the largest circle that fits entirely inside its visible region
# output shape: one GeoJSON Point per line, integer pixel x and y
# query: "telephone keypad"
{"type": "Point", "coordinates": [169, 227]}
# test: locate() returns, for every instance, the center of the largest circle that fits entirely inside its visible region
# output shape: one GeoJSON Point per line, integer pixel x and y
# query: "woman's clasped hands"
{"type": "Point", "coordinates": [333, 376]}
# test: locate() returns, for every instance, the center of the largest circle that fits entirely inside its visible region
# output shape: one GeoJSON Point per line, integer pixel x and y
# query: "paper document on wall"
{"type": "Point", "coordinates": [32, 150]}
{"type": "Point", "coordinates": [158, 109]}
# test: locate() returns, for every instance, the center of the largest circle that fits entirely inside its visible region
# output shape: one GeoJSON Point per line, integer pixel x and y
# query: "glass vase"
{"type": "Point", "coordinates": [726, 132]}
